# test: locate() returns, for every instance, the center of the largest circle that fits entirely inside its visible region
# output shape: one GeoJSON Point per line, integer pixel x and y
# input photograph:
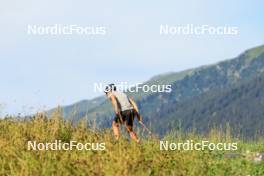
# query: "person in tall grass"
{"type": "Point", "coordinates": [125, 111]}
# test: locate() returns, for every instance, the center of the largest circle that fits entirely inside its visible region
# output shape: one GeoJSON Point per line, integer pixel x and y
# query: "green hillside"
{"type": "Point", "coordinates": [240, 106]}
{"type": "Point", "coordinates": [186, 85]}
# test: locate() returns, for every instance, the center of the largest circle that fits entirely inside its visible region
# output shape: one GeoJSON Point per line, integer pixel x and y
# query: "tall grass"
{"type": "Point", "coordinates": [120, 158]}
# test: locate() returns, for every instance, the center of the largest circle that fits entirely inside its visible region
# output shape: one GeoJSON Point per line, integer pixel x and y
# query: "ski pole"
{"type": "Point", "coordinates": [144, 127]}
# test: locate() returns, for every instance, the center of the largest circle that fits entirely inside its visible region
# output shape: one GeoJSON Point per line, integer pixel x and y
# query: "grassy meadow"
{"type": "Point", "coordinates": [122, 158]}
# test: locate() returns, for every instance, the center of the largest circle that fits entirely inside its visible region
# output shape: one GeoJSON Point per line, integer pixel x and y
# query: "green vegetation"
{"type": "Point", "coordinates": [119, 158]}
{"type": "Point", "coordinates": [254, 52]}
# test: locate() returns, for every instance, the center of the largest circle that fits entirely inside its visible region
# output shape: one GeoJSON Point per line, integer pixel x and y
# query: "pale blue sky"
{"type": "Point", "coordinates": [38, 71]}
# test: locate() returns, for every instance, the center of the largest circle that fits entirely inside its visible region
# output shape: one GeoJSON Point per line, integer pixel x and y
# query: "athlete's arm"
{"type": "Point", "coordinates": [114, 103]}
{"type": "Point", "coordinates": [133, 103]}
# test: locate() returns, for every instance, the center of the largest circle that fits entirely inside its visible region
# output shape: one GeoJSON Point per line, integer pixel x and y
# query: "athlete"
{"type": "Point", "coordinates": [125, 110]}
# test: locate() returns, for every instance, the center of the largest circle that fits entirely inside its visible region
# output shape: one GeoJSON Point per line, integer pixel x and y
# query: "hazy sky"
{"type": "Point", "coordinates": [42, 71]}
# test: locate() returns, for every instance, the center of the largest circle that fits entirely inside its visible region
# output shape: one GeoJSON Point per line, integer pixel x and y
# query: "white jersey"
{"type": "Point", "coordinates": [122, 100]}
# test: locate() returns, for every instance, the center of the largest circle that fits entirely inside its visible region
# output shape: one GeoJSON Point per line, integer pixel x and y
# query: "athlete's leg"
{"type": "Point", "coordinates": [116, 129]}
{"type": "Point", "coordinates": [132, 134]}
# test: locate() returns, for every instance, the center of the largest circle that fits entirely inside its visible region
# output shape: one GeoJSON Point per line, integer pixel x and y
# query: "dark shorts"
{"type": "Point", "coordinates": [127, 117]}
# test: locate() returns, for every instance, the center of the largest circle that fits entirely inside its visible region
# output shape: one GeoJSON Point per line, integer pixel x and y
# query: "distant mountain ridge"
{"type": "Point", "coordinates": [241, 106]}
{"type": "Point", "coordinates": [163, 108]}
